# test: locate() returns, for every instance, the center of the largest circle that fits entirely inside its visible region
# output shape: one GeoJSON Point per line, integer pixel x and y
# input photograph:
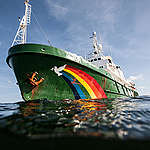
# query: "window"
{"type": "Point", "coordinates": [127, 92]}
{"type": "Point", "coordinates": [120, 88]}
{"type": "Point", "coordinates": [117, 67]}
{"type": "Point", "coordinates": [109, 61]}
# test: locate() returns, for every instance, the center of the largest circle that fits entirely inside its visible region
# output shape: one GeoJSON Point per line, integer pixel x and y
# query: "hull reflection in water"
{"type": "Point", "coordinates": [105, 118]}
{"type": "Point", "coordinates": [45, 118]}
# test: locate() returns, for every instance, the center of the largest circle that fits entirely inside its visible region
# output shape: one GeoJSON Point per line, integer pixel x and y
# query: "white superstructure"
{"type": "Point", "coordinates": [98, 59]}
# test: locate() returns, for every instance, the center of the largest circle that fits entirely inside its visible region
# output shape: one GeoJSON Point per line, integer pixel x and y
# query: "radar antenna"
{"type": "Point", "coordinates": [21, 34]}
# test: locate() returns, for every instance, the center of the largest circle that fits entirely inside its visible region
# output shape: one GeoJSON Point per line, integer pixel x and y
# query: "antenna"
{"type": "Point", "coordinates": [101, 43]}
{"type": "Point", "coordinates": [21, 34]}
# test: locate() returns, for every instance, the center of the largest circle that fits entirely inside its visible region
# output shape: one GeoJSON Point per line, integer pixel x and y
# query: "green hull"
{"type": "Point", "coordinates": [45, 72]}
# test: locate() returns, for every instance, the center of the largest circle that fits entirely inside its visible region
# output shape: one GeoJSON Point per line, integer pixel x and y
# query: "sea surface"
{"type": "Point", "coordinates": [77, 123]}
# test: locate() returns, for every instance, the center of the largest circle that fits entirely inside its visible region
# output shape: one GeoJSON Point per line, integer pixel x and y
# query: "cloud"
{"type": "Point", "coordinates": [143, 90]}
{"type": "Point", "coordinates": [95, 13]}
{"type": "Point", "coordinates": [81, 18]}
{"type": "Point", "coordinates": [137, 77]}
{"type": "Point", "coordinates": [142, 21]}
{"type": "Point", "coordinates": [56, 9]}
{"type": "Point", "coordinates": [137, 40]}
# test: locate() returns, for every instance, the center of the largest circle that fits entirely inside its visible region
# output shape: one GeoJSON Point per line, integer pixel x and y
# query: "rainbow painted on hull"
{"type": "Point", "coordinates": [76, 78]}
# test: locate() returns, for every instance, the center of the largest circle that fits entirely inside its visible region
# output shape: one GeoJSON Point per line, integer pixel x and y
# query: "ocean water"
{"type": "Point", "coordinates": [82, 123]}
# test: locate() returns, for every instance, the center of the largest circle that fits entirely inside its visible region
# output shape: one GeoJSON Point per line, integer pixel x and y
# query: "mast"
{"type": "Point", "coordinates": [21, 35]}
{"type": "Point", "coordinates": [97, 47]}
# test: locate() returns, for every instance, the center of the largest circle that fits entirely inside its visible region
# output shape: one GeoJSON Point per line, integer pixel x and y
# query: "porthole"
{"type": "Point", "coordinates": [43, 49]}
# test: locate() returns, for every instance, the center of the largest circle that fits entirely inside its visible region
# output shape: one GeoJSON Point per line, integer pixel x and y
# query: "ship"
{"type": "Point", "coordinates": [47, 72]}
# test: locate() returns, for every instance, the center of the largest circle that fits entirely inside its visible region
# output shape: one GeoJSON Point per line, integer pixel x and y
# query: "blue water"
{"type": "Point", "coordinates": [107, 119]}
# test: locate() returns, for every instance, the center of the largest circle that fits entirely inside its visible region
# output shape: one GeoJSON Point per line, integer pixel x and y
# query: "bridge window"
{"type": "Point", "coordinates": [109, 60]}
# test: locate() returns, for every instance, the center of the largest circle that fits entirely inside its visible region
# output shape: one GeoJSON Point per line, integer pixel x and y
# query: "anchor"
{"type": "Point", "coordinates": [34, 81]}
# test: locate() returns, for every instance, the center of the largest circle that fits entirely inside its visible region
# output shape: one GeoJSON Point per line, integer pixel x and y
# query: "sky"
{"type": "Point", "coordinates": [122, 26]}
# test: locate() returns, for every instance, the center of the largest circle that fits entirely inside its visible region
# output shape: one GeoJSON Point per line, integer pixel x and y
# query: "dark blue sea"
{"type": "Point", "coordinates": [75, 124]}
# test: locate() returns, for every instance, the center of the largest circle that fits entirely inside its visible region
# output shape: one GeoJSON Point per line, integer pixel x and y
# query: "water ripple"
{"type": "Point", "coordinates": [107, 118]}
